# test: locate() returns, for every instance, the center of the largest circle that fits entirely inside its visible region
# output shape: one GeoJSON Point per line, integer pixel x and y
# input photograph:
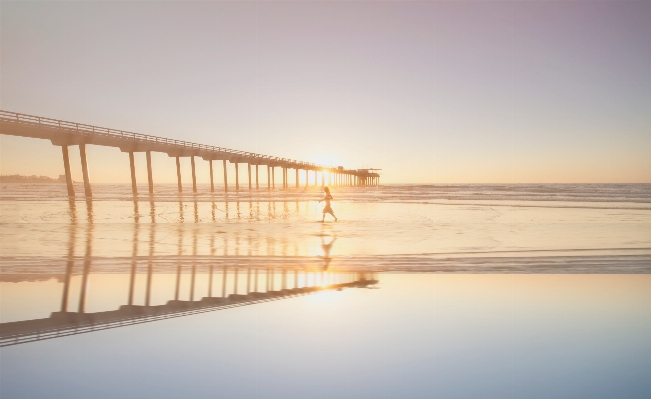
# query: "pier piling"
{"type": "Point", "coordinates": [225, 177]}
{"type": "Point", "coordinates": [194, 176]}
{"type": "Point", "coordinates": [212, 181]}
{"type": "Point", "coordinates": [84, 170]}
{"type": "Point", "coordinates": [178, 174]}
{"type": "Point", "coordinates": [66, 167]}
{"type": "Point", "coordinates": [237, 177]}
{"type": "Point", "coordinates": [249, 166]}
{"type": "Point", "coordinates": [150, 179]}
{"type": "Point", "coordinates": [132, 164]}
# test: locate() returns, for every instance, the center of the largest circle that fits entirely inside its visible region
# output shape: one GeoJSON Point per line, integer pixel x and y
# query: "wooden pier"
{"type": "Point", "coordinates": [65, 134]}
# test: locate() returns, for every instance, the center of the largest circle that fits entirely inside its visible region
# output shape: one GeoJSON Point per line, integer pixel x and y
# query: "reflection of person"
{"type": "Point", "coordinates": [326, 251]}
{"type": "Point", "coordinates": [327, 208]}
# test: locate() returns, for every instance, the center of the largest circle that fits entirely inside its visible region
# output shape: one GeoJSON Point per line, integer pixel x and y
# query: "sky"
{"type": "Point", "coordinates": [430, 92]}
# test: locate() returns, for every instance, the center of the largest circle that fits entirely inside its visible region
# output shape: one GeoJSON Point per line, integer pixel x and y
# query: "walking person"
{"type": "Point", "coordinates": [327, 208]}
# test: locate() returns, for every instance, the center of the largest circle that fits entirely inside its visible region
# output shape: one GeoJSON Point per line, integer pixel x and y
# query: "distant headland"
{"type": "Point", "coordinates": [31, 179]}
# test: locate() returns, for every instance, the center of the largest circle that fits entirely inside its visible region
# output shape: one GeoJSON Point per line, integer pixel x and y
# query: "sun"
{"type": "Point", "coordinates": [326, 159]}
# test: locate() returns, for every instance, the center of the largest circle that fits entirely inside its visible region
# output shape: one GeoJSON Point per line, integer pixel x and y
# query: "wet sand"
{"type": "Point", "coordinates": [382, 236]}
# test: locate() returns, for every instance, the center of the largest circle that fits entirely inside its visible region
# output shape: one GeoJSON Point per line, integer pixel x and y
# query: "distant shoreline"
{"type": "Point", "coordinates": [31, 179]}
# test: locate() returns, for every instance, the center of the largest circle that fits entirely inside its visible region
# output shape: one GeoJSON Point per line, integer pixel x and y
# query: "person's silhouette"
{"type": "Point", "coordinates": [327, 208]}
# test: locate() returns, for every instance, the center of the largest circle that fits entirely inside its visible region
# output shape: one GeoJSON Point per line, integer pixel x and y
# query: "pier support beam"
{"type": "Point", "coordinates": [307, 177]}
{"type": "Point", "coordinates": [194, 175]}
{"type": "Point", "coordinates": [178, 174]}
{"type": "Point", "coordinates": [273, 178]}
{"type": "Point", "coordinates": [257, 185]}
{"type": "Point", "coordinates": [237, 177]}
{"type": "Point", "coordinates": [296, 177]}
{"type": "Point", "coordinates": [84, 170]}
{"type": "Point", "coordinates": [66, 167]}
{"type": "Point", "coordinates": [225, 177]}
{"type": "Point", "coordinates": [268, 178]}
{"type": "Point", "coordinates": [212, 181]}
{"type": "Point", "coordinates": [150, 178]}
{"type": "Point", "coordinates": [132, 164]}
{"type": "Point", "coordinates": [249, 165]}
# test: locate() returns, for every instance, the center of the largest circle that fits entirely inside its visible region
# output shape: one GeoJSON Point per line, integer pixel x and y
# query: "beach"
{"type": "Point", "coordinates": [390, 228]}
{"type": "Point", "coordinates": [457, 290]}
{"type": "Point", "coordinates": [325, 199]}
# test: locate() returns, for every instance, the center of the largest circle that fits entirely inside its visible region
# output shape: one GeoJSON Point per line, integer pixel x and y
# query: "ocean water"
{"type": "Point", "coordinates": [447, 291]}
{"type": "Point", "coordinates": [614, 193]}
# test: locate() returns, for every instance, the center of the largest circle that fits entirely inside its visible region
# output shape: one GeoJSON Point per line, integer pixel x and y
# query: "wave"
{"type": "Point", "coordinates": [570, 193]}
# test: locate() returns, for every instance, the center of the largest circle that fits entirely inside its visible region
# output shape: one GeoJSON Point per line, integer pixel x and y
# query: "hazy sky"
{"type": "Point", "coordinates": [431, 92]}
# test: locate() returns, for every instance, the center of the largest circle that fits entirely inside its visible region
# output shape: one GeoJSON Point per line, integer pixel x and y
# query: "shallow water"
{"type": "Point", "coordinates": [418, 291]}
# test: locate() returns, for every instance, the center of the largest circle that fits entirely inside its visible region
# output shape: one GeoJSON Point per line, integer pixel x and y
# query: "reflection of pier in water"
{"type": "Point", "coordinates": [292, 283]}
{"type": "Point", "coordinates": [206, 278]}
